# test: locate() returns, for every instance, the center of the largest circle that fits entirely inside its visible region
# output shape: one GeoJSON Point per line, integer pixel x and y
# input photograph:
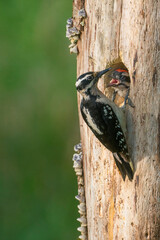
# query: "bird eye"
{"type": "Point", "coordinates": [90, 78]}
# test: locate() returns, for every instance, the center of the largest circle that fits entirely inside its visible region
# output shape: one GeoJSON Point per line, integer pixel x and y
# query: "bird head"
{"type": "Point", "coordinates": [87, 80]}
{"type": "Point", "coordinates": [119, 77]}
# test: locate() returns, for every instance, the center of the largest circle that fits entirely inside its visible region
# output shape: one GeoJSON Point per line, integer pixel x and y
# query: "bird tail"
{"type": "Point", "coordinates": [125, 168]}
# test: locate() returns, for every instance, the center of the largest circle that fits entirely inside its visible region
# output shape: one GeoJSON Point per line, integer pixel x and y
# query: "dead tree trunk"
{"type": "Point", "coordinates": [126, 30]}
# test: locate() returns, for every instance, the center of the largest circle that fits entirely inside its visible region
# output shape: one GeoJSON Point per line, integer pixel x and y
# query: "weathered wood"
{"type": "Point", "coordinates": [128, 30]}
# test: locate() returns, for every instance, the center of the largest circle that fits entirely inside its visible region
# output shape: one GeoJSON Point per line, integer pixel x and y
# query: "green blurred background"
{"type": "Point", "coordinates": [38, 122]}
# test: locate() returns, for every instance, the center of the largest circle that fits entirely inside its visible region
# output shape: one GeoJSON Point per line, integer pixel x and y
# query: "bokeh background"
{"type": "Point", "coordinates": [38, 122]}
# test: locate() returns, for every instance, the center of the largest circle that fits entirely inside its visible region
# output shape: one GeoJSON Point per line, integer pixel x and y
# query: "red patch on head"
{"type": "Point", "coordinates": [121, 70]}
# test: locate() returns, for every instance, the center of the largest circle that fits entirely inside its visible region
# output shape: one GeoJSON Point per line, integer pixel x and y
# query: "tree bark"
{"type": "Point", "coordinates": [126, 30]}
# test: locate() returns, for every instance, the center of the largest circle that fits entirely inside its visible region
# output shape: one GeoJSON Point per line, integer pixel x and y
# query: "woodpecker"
{"type": "Point", "coordinates": [121, 83]}
{"type": "Point", "coordinates": [105, 119]}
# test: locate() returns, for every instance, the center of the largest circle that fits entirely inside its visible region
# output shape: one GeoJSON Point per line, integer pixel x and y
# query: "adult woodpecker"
{"type": "Point", "coordinates": [121, 83]}
{"type": "Point", "coordinates": [105, 119]}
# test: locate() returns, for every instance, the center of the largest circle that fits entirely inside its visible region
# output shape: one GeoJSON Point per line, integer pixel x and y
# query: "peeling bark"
{"type": "Point", "coordinates": [126, 30]}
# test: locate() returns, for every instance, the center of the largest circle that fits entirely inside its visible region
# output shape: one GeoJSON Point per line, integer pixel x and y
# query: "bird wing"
{"type": "Point", "coordinates": [114, 128]}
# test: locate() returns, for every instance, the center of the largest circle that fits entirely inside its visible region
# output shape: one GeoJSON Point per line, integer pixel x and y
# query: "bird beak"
{"type": "Point", "coordinates": [99, 74]}
{"type": "Point", "coordinates": [113, 82]}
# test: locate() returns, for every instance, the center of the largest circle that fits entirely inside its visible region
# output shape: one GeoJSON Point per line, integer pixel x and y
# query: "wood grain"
{"type": "Point", "coordinates": [128, 30]}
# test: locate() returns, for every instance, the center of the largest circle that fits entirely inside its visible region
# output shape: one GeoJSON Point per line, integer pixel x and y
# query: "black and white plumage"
{"type": "Point", "coordinates": [121, 83]}
{"type": "Point", "coordinates": [105, 119]}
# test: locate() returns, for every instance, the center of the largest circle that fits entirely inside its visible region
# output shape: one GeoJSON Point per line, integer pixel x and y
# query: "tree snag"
{"type": "Point", "coordinates": [128, 31]}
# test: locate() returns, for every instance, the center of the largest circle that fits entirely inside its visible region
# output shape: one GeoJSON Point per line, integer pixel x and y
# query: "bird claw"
{"type": "Point", "coordinates": [129, 102]}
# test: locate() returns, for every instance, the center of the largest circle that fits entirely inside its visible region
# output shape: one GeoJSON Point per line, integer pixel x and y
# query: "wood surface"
{"type": "Point", "coordinates": [127, 31]}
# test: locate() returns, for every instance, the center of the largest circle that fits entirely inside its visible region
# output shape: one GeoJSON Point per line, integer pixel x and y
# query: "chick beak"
{"type": "Point", "coordinates": [113, 82]}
